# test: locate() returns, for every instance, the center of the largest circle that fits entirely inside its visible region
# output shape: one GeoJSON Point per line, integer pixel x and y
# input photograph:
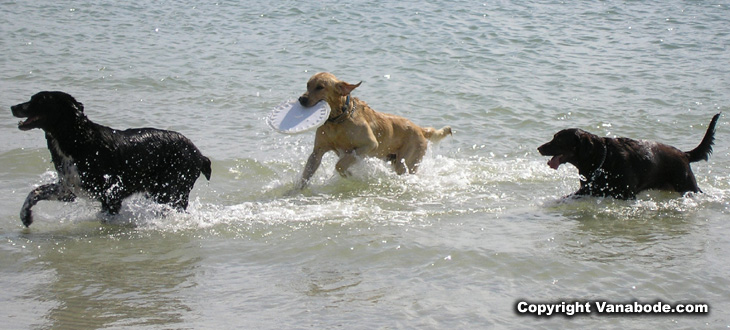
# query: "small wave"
{"type": "Point", "coordinates": [649, 206]}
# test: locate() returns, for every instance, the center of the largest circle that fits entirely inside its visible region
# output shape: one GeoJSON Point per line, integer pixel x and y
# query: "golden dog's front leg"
{"type": "Point", "coordinates": [349, 157]}
{"type": "Point", "coordinates": [312, 165]}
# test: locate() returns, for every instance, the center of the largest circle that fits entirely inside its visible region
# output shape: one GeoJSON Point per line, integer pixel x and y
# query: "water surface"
{"type": "Point", "coordinates": [481, 226]}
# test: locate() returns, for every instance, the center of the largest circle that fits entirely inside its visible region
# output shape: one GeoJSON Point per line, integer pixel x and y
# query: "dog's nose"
{"type": "Point", "coordinates": [303, 100]}
{"type": "Point", "coordinates": [16, 110]}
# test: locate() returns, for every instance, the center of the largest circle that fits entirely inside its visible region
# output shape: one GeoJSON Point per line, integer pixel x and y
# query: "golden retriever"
{"type": "Point", "coordinates": [354, 130]}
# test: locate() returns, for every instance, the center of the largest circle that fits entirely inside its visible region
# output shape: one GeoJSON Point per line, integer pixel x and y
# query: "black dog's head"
{"type": "Point", "coordinates": [45, 109]}
{"type": "Point", "coordinates": [574, 146]}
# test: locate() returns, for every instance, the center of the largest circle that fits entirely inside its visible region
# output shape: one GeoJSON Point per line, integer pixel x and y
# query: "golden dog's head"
{"type": "Point", "coordinates": [325, 86]}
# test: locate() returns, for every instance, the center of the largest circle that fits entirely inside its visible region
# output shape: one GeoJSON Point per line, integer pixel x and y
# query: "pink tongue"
{"type": "Point", "coordinates": [554, 162]}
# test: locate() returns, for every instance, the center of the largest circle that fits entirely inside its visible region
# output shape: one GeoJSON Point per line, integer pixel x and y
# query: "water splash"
{"type": "Point", "coordinates": [248, 192]}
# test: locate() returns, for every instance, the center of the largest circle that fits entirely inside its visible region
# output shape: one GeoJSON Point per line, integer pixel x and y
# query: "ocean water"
{"type": "Point", "coordinates": [482, 226]}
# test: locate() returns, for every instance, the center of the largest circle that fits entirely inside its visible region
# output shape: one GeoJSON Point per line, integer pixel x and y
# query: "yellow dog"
{"type": "Point", "coordinates": [354, 129]}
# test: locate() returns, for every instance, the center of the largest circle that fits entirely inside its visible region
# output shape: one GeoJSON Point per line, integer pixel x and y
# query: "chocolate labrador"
{"type": "Point", "coordinates": [623, 167]}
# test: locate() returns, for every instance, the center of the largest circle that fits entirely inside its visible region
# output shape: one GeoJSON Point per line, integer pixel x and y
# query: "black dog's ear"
{"type": "Point", "coordinates": [73, 104]}
{"type": "Point", "coordinates": [78, 106]}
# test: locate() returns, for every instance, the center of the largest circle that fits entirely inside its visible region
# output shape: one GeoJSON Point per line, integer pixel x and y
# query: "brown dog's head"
{"type": "Point", "coordinates": [574, 146]}
{"type": "Point", "coordinates": [46, 109]}
{"type": "Point", "coordinates": [325, 86]}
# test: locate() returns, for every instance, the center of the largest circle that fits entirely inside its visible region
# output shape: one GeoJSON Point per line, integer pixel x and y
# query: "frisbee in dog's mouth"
{"type": "Point", "coordinates": [291, 117]}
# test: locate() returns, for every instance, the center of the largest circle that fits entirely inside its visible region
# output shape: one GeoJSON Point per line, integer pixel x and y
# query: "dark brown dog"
{"type": "Point", "coordinates": [622, 167]}
{"type": "Point", "coordinates": [355, 130]}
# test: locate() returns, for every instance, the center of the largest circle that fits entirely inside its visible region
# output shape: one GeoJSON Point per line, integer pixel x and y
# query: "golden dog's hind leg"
{"type": "Point", "coordinates": [415, 156]}
{"type": "Point", "coordinates": [399, 165]}
{"type": "Point", "coordinates": [409, 159]}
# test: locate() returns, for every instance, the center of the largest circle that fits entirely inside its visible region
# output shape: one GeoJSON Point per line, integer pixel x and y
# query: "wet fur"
{"type": "Point", "coordinates": [623, 167]}
{"type": "Point", "coordinates": [355, 130]}
{"type": "Point", "coordinates": [106, 164]}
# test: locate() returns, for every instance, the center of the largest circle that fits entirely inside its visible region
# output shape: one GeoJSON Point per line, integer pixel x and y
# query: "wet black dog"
{"type": "Point", "coordinates": [105, 164]}
{"type": "Point", "coordinates": [622, 167]}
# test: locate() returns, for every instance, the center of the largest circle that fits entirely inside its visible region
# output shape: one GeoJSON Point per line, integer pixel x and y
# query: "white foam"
{"type": "Point", "coordinates": [445, 186]}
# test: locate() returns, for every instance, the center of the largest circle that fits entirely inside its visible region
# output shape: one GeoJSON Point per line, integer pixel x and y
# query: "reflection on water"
{"type": "Point", "coordinates": [106, 278]}
{"type": "Point", "coordinates": [605, 229]}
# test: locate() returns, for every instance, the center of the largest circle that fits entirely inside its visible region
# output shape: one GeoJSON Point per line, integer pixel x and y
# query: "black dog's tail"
{"type": "Point", "coordinates": [205, 169]}
{"type": "Point", "coordinates": [704, 150]}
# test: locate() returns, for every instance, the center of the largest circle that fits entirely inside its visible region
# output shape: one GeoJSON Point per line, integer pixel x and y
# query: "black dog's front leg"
{"type": "Point", "coordinates": [114, 193]}
{"type": "Point", "coordinates": [45, 192]}
{"type": "Point", "coordinates": [111, 205]}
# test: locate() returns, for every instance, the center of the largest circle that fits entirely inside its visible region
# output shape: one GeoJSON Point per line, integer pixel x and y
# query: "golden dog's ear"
{"type": "Point", "coordinates": [346, 88]}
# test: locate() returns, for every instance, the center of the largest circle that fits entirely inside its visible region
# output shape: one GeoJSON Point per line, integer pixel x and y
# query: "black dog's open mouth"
{"type": "Point", "coordinates": [27, 124]}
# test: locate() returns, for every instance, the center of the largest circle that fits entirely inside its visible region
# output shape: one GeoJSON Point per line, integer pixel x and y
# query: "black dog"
{"type": "Point", "coordinates": [107, 164]}
{"type": "Point", "coordinates": [623, 167]}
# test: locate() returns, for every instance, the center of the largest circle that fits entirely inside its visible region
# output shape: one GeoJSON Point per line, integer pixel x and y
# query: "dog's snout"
{"type": "Point", "coordinates": [17, 110]}
{"type": "Point", "coordinates": [303, 100]}
{"type": "Point", "coordinates": [543, 148]}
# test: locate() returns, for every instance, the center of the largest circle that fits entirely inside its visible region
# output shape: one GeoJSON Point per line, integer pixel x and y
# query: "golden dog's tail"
{"type": "Point", "coordinates": [435, 135]}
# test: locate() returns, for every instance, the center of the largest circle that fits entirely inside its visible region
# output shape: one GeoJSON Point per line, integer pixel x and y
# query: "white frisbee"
{"type": "Point", "coordinates": [291, 117]}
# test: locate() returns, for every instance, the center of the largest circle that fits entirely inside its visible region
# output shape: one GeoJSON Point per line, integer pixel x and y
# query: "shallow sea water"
{"type": "Point", "coordinates": [482, 226]}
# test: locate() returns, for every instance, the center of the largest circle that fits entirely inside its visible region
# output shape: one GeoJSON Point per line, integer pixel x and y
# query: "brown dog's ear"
{"type": "Point", "coordinates": [346, 88]}
{"type": "Point", "coordinates": [586, 143]}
